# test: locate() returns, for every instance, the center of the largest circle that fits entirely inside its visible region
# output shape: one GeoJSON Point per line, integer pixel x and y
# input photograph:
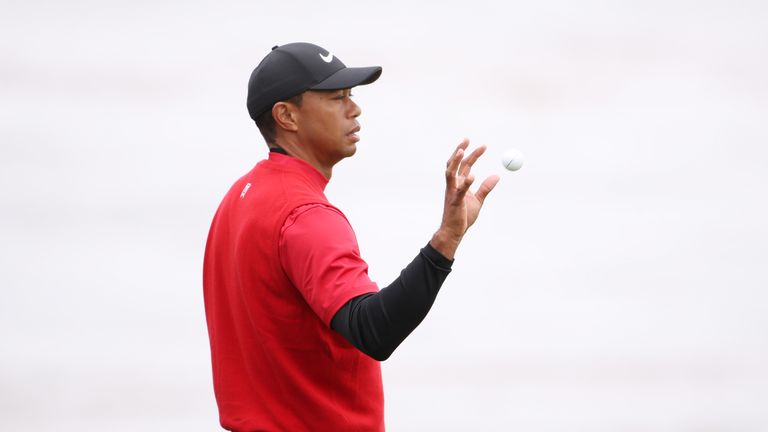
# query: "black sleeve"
{"type": "Point", "coordinates": [377, 323]}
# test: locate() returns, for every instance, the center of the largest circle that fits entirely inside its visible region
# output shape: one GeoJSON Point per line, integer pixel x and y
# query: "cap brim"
{"type": "Point", "coordinates": [348, 78]}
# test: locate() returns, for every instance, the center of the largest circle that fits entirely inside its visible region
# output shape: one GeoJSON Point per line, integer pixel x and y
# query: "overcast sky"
{"type": "Point", "coordinates": [617, 282]}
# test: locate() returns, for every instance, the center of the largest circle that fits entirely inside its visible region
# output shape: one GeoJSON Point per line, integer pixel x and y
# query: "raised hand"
{"type": "Point", "coordinates": [461, 206]}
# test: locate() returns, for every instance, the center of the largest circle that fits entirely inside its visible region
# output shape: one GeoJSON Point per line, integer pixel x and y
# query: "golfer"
{"type": "Point", "coordinates": [296, 327]}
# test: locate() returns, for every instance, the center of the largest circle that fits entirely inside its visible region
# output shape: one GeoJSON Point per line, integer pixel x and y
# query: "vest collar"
{"type": "Point", "coordinates": [293, 163]}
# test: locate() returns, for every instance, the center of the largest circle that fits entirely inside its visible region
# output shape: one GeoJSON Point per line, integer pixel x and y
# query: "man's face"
{"type": "Point", "coordinates": [328, 124]}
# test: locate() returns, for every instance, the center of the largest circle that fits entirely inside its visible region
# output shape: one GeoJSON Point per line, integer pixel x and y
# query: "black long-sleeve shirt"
{"type": "Point", "coordinates": [376, 323]}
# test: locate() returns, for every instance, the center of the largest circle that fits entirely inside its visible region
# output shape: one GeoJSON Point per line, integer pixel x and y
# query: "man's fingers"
{"type": "Point", "coordinates": [453, 165]}
{"type": "Point", "coordinates": [462, 146]}
{"type": "Point", "coordinates": [467, 163]}
{"type": "Point", "coordinates": [486, 187]}
{"type": "Point", "coordinates": [463, 186]}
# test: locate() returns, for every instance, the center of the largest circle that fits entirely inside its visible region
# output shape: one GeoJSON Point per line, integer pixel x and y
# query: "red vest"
{"type": "Point", "coordinates": [276, 364]}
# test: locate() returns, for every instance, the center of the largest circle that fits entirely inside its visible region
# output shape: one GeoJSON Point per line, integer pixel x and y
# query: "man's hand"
{"type": "Point", "coordinates": [461, 206]}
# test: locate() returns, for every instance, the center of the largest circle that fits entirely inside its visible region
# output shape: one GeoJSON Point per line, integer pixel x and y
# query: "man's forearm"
{"type": "Point", "coordinates": [377, 323]}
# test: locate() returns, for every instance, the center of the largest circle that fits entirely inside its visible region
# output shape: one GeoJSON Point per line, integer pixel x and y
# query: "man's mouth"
{"type": "Point", "coordinates": [353, 132]}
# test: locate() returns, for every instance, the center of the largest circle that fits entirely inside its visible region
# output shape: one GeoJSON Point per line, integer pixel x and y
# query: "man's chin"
{"type": "Point", "coordinates": [350, 150]}
{"type": "Point", "coordinates": [344, 153]}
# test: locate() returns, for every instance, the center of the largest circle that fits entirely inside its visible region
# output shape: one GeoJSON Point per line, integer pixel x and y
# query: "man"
{"type": "Point", "coordinates": [297, 329]}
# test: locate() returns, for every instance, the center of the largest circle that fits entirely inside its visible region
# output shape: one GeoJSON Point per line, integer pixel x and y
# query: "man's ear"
{"type": "Point", "coordinates": [285, 116]}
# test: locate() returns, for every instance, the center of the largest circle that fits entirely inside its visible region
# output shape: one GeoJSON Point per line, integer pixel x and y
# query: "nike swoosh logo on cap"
{"type": "Point", "coordinates": [326, 58]}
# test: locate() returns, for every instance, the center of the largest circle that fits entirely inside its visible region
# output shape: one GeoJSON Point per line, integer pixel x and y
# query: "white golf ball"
{"type": "Point", "coordinates": [512, 159]}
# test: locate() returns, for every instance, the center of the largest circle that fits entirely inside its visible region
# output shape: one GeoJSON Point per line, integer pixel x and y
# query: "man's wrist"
{"type": "Point", "coordinates": [445, 243]}
{"type": "Point", "coordinates": [436, 258]}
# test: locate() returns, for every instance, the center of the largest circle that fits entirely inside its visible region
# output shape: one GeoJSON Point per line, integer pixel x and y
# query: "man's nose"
{"type": "Point", "coordinates": [354, 109]}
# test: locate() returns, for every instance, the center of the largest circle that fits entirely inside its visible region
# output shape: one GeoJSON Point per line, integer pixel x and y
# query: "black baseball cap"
{"type": "Point", "coordinates": [292, 69]}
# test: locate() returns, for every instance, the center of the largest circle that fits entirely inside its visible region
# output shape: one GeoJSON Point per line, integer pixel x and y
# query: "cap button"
{"type": "Point", "coordinates": [275, 47]}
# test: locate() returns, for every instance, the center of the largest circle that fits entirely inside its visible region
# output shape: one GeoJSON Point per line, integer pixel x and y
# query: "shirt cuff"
{"type": "Point", "coordinates": [436, 258]}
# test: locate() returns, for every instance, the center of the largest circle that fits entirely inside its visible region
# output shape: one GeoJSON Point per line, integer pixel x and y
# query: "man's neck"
{"type": "Point", "coordinates": [300, 153]}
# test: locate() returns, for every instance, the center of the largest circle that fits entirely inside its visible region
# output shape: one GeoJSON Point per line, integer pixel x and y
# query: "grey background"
{"type": "Point", "coordinates": [616, 283]}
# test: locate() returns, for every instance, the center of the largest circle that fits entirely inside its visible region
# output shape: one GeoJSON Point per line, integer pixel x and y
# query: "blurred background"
{"type": "Point", "coordinates": [617, 282]}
